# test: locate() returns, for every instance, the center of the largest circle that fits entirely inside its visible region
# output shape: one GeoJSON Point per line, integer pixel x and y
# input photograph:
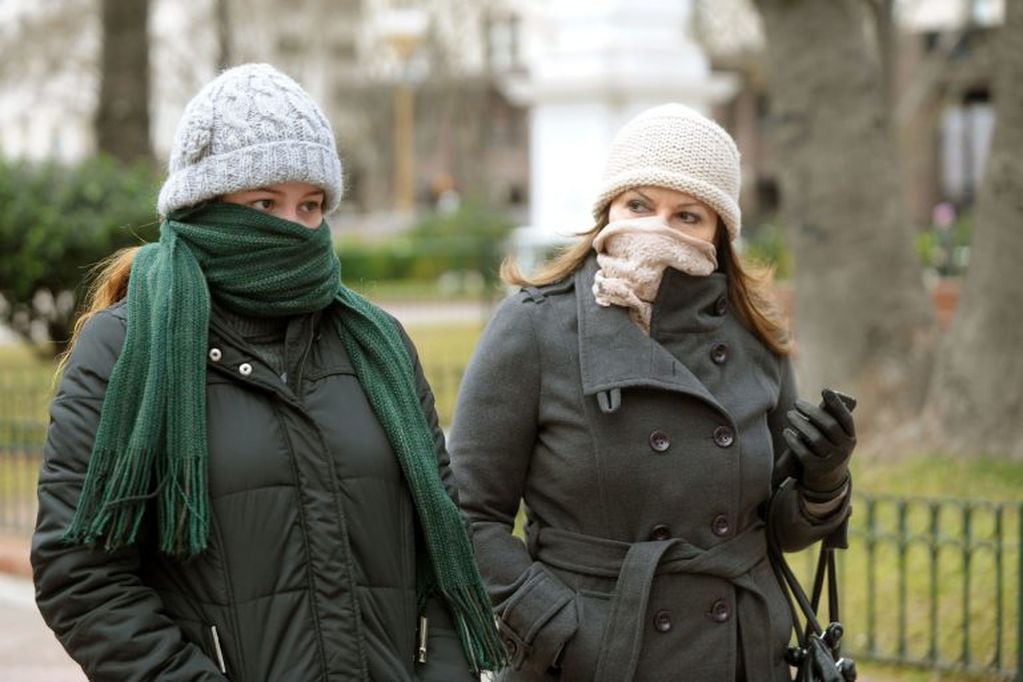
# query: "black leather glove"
{"type": "Point", "coordinates": [822, 438]}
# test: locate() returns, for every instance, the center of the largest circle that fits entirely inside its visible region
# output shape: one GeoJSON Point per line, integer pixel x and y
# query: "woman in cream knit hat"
{"type": "Point", "coordinates": [635, 395]}
{"type": "Point", "coordinates": [244, 477]}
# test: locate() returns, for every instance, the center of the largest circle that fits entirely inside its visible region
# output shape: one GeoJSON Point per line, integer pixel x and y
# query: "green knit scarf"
{"type": "Point", "coordinates": [151, 441]}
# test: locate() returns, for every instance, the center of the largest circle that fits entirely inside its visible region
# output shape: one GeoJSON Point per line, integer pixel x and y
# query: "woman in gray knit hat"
{"type": "Point", "coordinates": [244, 477]}
{"type": "Point", "coordinates": [636, 395]}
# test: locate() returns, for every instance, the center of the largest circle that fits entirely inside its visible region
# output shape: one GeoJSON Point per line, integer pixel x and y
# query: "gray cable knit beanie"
{"type": "Point", "coordinates": [679, 148]}
{"type": "Point", "coordinates": [250, 127]}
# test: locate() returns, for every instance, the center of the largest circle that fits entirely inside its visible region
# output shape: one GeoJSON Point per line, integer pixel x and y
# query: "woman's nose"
{"type": "Point", "coordinates": [289, 213]}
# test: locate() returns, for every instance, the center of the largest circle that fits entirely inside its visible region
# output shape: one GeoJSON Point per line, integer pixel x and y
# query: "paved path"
{"type": "Point", "coordinates": [433, 313]}
{"type": "Point", "coordinates": [28, 650]}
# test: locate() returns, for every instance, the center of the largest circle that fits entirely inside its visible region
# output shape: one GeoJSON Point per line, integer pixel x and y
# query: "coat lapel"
{"type": "Point", "coordinates": [614, 353]}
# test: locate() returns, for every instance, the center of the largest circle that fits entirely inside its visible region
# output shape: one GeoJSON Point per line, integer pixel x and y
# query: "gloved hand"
{"type": "Point", "coordinates": [822, 438]}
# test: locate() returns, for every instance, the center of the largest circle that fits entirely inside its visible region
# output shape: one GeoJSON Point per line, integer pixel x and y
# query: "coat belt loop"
{"type": "Point", "coordinates": [609, 400]}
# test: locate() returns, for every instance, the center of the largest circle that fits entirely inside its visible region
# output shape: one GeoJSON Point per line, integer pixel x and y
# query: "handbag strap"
{"type": "Point", "coordinates": [794, 591]}
{"type": "Point", "coordinates": [814, 640]}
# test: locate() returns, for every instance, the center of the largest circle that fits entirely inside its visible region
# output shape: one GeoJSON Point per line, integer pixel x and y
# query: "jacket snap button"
{"type": "Point", "coordinates": [719, 354]}
{"type": "Point", "coordinates": [724, 437]}
{"type": "Point", "coordinates": [720, 525]}
{"type": "Point", "coordinates": [721, 305]}
{"type": "Point", "coordinates": [215, 354]}
{"type": "Point", "coordinates": [660, 532]}
{"type": "Point", "coordinates": [659, 441]}
{"type": "Point", "coordinates": [245, 369]}
{"type": "Point", "coordinates": [510, 646]}
{"type": "Point", "coordinates": [720, 611]}
{"type": "Point", "coordinates": [662, 621]}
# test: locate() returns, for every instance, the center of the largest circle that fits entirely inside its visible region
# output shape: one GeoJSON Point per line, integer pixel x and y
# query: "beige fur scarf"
{"type": "Point", "coordinates": [633, 254]}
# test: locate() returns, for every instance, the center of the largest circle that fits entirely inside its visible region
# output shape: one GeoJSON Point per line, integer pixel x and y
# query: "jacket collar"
{"type": "Point", "coordinates": [614, 353]}
{"type": "Point", "coordinates": [687, 304]}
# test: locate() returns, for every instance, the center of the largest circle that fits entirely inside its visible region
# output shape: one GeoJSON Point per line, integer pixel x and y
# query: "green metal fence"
{"type": "Point", "coordinates": [20, 453]}
{"type": "Point", "coordinates": [935, 583]}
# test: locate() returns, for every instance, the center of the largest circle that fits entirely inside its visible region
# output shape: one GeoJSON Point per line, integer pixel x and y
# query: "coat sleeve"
{"type": "Point", "coordinates": [492, 442]}
{"type": "Point", "coordinates": [793, 526]}
{"type": "Point", "coordinates": [445, 660]}
{"type": "Point", "coordinates": [106, 618]}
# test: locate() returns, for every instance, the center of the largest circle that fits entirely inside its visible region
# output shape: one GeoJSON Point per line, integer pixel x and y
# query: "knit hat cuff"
{"type": "Point", "coordinates": [725, 206]}
{"type": "Point", "coordinates": [251, 167]}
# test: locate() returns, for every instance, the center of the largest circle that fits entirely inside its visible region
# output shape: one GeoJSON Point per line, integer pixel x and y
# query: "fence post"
{"type": "Point", "coordinates": [1019, 598]}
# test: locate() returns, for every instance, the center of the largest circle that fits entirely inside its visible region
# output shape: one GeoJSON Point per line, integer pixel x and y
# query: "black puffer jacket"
{"type": "Point", "coordinates": [310, 570]}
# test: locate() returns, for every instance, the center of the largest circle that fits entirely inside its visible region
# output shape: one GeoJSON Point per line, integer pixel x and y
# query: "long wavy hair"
{"type": "Point", "coordinates": [750, 291]}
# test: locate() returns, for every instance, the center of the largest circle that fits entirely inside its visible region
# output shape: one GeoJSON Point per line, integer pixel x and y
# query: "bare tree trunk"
{"type": "Point", "coordinates": [122, 118]}
{"type": "Point", "coordinates": [883, 15]}
{"type": "Point", "coordinates": [976, 398]}
{"type": "Point", "coordinates": [225, 48]}
{"type": "Point", "coordinates": [863, 318]}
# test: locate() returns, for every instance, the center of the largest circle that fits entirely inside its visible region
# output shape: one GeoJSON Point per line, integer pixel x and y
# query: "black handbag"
{"type": "Point", "coordinates": [817, 657]}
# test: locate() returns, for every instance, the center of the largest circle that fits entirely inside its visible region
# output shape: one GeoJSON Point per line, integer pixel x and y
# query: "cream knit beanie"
{"type": "Point", "coordinates": [250, 127]}
{"type": "Point", "coordinates": [679, 148]}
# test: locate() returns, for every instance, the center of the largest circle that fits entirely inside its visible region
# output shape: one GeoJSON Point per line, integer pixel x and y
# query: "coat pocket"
{"type": "Point", "coordinates": [579, 661]}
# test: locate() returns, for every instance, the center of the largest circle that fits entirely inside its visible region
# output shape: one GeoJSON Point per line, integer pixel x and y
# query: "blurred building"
{"type": "Point", "coordinates": [495, 82]}
{"type": "Point", "coordinates": [468, 138]}
{"type": "Point", "coordinates": [591, 66]}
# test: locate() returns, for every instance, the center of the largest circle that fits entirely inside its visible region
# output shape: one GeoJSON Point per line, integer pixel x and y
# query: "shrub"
{"type": "Point", "coordinates": [469, 239]}
{"type": "Point", "coordinates": [55, 223]}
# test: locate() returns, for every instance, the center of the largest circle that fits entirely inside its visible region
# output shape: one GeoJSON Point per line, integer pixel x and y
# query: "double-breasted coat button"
{"type": "Point", "coordinates": [721, 305]}
{"type": "Point", "coordinates": [724, 437]}
{"type": "Point", "coordinates": [659, 441]}
{"type": "Point", "coordinates": [720, 526]}
{"type": "Point", "coordinates": [662, 621]}
{"type": "Point", "coordinates": [245, 369]}
{"type": "Point", "coordinates": [215, 354]}
{"type": "Point", "coordinates": [510, 646]}
{"type": "Point", "coordinates": [719, 354]}
{"type": "Point", "coordinates": [660, 532]}
{"type": "Point", "coordinates": [720, 611]}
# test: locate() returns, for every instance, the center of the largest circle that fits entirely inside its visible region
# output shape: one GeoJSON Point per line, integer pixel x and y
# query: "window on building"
{"type": "Point", "coordinates": [503, 35]}
{"type": "Point", "coordinates": [966, 130]}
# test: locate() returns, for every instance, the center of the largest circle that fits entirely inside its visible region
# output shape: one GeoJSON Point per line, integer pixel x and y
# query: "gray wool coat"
{"type": "Point", "coordinates": [644, 463]}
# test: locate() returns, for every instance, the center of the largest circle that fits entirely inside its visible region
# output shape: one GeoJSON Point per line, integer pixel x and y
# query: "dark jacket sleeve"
{"type": "Point", "coordinates": [789, 520]}
{"type": "Point", "coordinates": [492, 442]}
{"type": "Point", "coordinates": [106, 618]}
{"type": "Point", "coordinates": [445, 660]}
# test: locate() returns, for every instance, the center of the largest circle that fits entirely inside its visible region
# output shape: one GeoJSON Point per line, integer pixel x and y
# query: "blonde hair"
{"type": "Point", "coordinates": [751, 290]}
{"type": "Point", "coordinates": [110, 285]}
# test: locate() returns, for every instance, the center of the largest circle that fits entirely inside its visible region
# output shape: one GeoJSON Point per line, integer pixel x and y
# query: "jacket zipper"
{"type": "Point", "coordinates": [423, 624]}
{"type": "Point", "coordinates": [219, 652]}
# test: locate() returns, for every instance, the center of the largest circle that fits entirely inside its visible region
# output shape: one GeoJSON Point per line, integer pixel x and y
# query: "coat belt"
{"type": "Point", "coordinates": [634, 566]}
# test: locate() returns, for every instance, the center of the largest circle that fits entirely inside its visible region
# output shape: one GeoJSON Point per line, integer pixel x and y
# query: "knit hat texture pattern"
{"type": "Point", "coordinates": [251, 126]}
{"type": "Point", "coordinates": [676, 147]}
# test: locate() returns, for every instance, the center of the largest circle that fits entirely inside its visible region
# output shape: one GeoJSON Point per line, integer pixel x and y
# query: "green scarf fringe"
{"type": "Point", "coordinates": [151, 441]}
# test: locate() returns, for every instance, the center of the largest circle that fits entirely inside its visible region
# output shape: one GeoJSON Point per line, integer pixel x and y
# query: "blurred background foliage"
{"type": "Point", "coordinates": [466, 243]}
{"type": "Point", "coordinates": [58, 221]}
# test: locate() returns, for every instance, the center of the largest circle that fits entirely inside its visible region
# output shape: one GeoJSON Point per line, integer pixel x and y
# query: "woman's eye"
{"type": "Point", "coordinates": [312, 206]}
{"type": "Point", "coordinates": [688, 217]}
{"type": "Point", "coordinates": [635, 205]}
{"type": "Point", "coordinates": [263, 204]}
